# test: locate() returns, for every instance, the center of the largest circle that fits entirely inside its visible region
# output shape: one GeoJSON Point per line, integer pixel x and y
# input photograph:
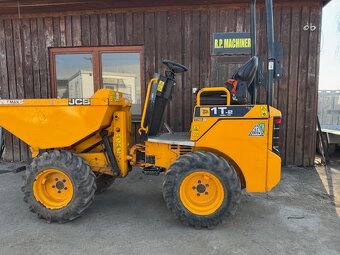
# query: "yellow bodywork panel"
{"type": "Point", "coordinates": [97, 162]}
{"type": "Point", "coordinates": [58, 123]}
{"type": "Point", "coordinates": [243, 135]}
{"type": "Point", "coordinates": [121, 139]}
{"type": "Point", "coordinates": [88, 143]}
{"type": "Point", "coordinates": [231, 139]}
{"type": "Point", "coordinates": [164, 155]}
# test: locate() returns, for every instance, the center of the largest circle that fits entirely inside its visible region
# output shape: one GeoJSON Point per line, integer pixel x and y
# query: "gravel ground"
{"type": "Point", "coordinates": [300, 216]}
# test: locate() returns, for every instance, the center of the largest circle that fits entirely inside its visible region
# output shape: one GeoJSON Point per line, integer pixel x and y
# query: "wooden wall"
{"type": "Point", "coordinates": [180, 34]}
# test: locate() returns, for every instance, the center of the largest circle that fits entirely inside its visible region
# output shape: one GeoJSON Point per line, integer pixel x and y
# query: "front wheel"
{"type": "Point", "coordinates": [201, 189]}
{"type": "Point", "coordinates": [59, 186]}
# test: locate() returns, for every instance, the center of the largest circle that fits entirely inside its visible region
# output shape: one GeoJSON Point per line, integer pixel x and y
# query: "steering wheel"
{"type": "Point", "coordinates": [175, 67]}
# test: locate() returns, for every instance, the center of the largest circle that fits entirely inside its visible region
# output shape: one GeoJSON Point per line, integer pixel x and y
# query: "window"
{"type": "Point", "coordinates": [79, 72]}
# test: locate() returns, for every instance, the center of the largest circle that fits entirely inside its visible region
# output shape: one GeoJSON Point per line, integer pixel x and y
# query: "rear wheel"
{"type": "Point", "coordinates": [104, 182]}
{"type": "Point", "coordinates": [201, 189]}
{"type": "Point", "coordinates": [59, 186]}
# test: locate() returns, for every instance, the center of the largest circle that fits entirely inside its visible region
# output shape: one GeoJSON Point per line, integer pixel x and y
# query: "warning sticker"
{"type": "Point", "coordinates": [258, 130]}
{"type": "Point", "coordinates": [160, 86]}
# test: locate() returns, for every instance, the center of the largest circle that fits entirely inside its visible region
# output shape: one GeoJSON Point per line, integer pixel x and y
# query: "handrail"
{"type": "Point", "coordinates": [142, 124]}
{"type": "Point", "coordinates": [212, 89]}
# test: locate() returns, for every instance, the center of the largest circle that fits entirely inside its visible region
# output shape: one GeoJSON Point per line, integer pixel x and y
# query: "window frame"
{"type": "Point", "coordinates": [96, 52]}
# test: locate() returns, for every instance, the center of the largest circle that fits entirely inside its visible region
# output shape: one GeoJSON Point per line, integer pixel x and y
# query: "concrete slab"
{"type": "Point", "coordinates": [300, 216]}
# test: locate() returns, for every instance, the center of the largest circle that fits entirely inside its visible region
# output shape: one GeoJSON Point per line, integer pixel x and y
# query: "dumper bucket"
{"type": "Point", "coordinates": [59, 123]}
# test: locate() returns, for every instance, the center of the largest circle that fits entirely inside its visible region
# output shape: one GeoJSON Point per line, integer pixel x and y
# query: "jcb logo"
{"type": "Point", "coordinates": [79, 101]}
{"type": "Point", "coordinates": [205, 112]}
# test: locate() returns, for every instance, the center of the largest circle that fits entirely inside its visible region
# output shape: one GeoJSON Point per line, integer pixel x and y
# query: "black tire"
{"type": "Point", "coordinates": [202, 161]}
{"type": "Point", "coordinates": [78, 171]}
{"type": "Point", "coordinates": [104, 182]}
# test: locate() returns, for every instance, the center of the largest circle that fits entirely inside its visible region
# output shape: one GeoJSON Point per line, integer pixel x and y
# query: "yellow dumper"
{"type": "Point", "coordinates": [81, 145]}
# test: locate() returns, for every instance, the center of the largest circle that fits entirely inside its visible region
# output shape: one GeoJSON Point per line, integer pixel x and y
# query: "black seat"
{"type": "Point", "coordinates": [213, 98]}
{"type": "Point", "coordinates": [244, 77]}
{"type": "Point", "coordinates": [247, 71]}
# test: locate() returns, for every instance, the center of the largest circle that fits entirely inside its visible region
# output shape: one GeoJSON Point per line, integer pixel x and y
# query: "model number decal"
{"type": "Point", "coordinates": [79, 101]}
{"type": "Point", "coordinates": [222, 111]}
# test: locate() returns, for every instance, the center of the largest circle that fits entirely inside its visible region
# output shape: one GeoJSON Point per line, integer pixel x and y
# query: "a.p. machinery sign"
{"type": "Point", "coordinates": [231, 43]}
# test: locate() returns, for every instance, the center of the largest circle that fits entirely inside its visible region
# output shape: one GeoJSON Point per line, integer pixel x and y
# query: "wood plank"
{"type": "Point", "coordinates": [240, 16]}
{"type": "Point", "coordinates": [174, 50]}
{"type": "Point", "coordinates": [301, 91]}
{"type": "Point", "coordinates": [27, 59]}
{"type": "Point", "coordinates": [49, 38]}
{"type": "Point", "coordinates": [35, 59]}
{"type": "Point", "coordinates": [230, 20]}
{"type": "Point", "coordinates": [204, 52]}
{"type": "Point", "coordinates": [161, 48]}
{"type": "Point", "coordinates": [56, 32]}
{"type": "Point", "coordinates": [187, 76]}
{"type": "Point", "coordinates": [103, 29]}
{"type": "Point", "coordinates": [293, 85]}
{"type": "Point", "coordinates": [214, 24]}
{"type": "Point", "coordinates": [112, 32]}
{"type": "Point", "coordinates": [149, 28]}
{"type": "Point", "coordinates": [283, 89]}
{"type": "Point", "coordinates": [128, 27]}
{"type": "Point", "coordinates": [316, 18]}
{"type": "Point", "coordinates": [8, 153]}
{"type": "Point", "coordinates": [246, 26]}
{"type": "Point", "coordinates": [68, 31]}
{"type": "Point", "coordinates": [195, 61]}
{"type": "Point", "coordinates": [85, 30]}
{"type": "Point", "coordinates": [42, 58]}
{"type": "Point", "coordinates": [27, 74]}
{"type": "Point", "coordinates": [3, 63]}
{"type": "Point", "coordinates": [62, 24]}
{"type": "Point", "coordinates": [221, 22]}
{"type": "Point", "coordinates": [9, 27]}
{"type": "Point", "coordinates": [138, 28]}
{"type": "Point", "coordinates": [21, 153]}
{"type": "Point", "coordinates": [94, 34]}
{"type": "Point", "coordinates": [120, 28]}
{"type": "Point", "coordinates": [312, 86]}
{"type": "Point", "coordinates": [149, 49]}
{"type": "Point", "coordinates": [76, 31]}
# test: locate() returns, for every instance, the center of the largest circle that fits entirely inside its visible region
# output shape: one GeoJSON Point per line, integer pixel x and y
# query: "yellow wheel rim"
{"type": "Point", "coordinates": [202, 193]}
{"type": "Point", "coordinates": [53, 188]}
